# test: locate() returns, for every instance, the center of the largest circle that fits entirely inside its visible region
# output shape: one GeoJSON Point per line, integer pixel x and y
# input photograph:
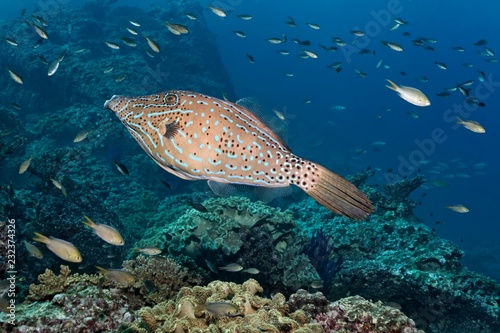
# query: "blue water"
{"type": "Point", "coordinates": [466, 161]}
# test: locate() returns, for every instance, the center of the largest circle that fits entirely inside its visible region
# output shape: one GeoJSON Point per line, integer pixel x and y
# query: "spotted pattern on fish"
{"type": "Point", "coordinates": [198, 137]}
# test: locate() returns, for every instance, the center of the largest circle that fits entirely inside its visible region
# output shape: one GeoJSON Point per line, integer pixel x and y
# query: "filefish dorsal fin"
{"type": "Point", "coordinates": [278, 126]}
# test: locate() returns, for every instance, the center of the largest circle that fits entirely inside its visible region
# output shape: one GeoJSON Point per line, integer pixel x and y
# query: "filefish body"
{"type": "Point", "coordinates": [198, 137]}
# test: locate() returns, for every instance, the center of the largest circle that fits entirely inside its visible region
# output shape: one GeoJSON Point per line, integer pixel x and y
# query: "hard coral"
{"type": "Point", "coordinates": [356, 315]}
{"type": "Point", "coordinates": [51, 284]}
{"type": "Point", "coordinates": [164, 276]}
{"type": "Point", "coordinates": [258, 314]}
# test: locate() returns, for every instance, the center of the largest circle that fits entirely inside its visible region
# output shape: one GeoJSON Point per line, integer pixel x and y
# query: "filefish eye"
{"type": "Point", "coordinates": [171, 99]}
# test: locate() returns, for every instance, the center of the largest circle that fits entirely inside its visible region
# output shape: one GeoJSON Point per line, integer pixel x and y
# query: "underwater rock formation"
{"type": "Point", "coordinates": [235, 229]}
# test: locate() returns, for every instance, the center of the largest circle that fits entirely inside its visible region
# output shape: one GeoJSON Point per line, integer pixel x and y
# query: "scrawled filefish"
{"type": "Point", "coordinates": [198, 137]}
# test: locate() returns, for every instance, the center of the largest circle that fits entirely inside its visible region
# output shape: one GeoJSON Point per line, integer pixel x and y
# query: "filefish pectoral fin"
{"type": "Point", "coordinates": [169, 130]}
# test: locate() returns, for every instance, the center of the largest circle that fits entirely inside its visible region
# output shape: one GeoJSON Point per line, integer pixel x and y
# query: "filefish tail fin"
{"type": "Point", "coordinates": [337, 194]}
{"type": "Point", "coordinates": [393, 86]}
{"type": "Point", "coordinates": [101, 270]}
{"type": "Point", "coordinates": [40, 238]}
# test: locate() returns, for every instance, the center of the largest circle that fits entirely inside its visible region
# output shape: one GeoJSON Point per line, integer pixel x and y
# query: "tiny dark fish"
{"type": "Point", "coordinates": [199, 207]}
{"type": "Point", "coordinates": [150, 286]}
{"type": "Point", "coordinates": [167, 185]}
{"type": "Point", "coordinates": [250, 57]}
{"type": "Point", "coordinates": [122, 168]}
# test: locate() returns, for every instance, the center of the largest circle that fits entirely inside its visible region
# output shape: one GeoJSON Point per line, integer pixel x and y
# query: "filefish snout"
{"type": "Point", "coordinates": [114, 103]}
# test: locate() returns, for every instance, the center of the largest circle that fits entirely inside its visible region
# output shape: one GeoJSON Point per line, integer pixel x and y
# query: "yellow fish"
{"type": "Point", "coordinates": [105, 232]}
{"type": "Point", "coordinates": [198, 137]}
{"type": "Point", "coordinates": [25, 165]}
{"type": "Point", "coordinates": [61, 248]}
{"type": "Point", "coordinates": [118, 275]}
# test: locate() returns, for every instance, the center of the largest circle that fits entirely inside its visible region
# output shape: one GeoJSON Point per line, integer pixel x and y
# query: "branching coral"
{"type": "Point", "coordinates": [159, 278]}
{"type": "Point", "coordinates": [51, 284]}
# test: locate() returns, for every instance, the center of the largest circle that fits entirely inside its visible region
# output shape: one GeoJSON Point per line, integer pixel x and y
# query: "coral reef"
{"type": "Point", "coordinates": [159, 278]}
{"type": "Point", "coordinates": [236, 229]}
{"type": "Point", "coordinates": [320, 253]}
{"type": "Point", "coordinates": [257, 314]}
{"type": "Point", "coordinates": [356, 315]}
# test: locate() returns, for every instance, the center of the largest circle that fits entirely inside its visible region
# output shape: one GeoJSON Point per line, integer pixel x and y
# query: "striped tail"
{"type": "Point", "coordinates": [336, 193]}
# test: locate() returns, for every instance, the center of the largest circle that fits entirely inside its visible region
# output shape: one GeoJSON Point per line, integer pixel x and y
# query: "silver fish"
{"type": "Point", "coordinates": [198, 137]}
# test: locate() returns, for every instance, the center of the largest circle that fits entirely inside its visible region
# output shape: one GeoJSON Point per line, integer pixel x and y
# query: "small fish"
{"type": "Point", "coordinates": [409, 94]}
{"type": "Point", "coordinates": [458, 208]}
{"type": "Point", "coordinates": [128, 41]}
{"type": "Point", "coordinates": [61, 248]}
{"type": "Point", "coordinates": [245, 17]}
{"type": "Point", "coordinates": [58, 185]}
{"type": "Point", "coordinates": [393, 46]}
{"type": "Point", "coordinates": [311, 54]}
{"type": "Point", "coordinates": [11, 41]}
{"type": "Point", "coordinates": [16, 77]}
{"type": "Point", "coordinates": [291, 22]}
{"type": "Point", "coordinates": [481, 42]}
{"type": "Point", "coordinates": [132, 31]}
{"type": "Point", "coordinates": [251, 270]}
{"type": "Point", "coordinates": [467, 83]}
{"type": "Point", "coordinates": [471, 125]}
{"type": "Point", "coordinates": [279, 114]}
{"type": "Point", "coordinates": [357, 33]}
{"type": "Point", "coordinates": [481, 76]}
{"type": "Point", "coordinates": [217, 11]}
{"type": "Point", "coordinates": [25, 165]}
{"type": "Point", "coordinates": [152, 44]}
{"type": "Point", "coordinates": [112, 45]}
{"type": "Point", "coordinates": [395, 26]}
{"type": "Point", "coordinates": [413, 115]}
{"type": "Point", "coordinates": [211, 266]}
{"type": "Point", "coordinates": [199, 207]}
{"type": "Point", "coordinates": [107, 233]}
{"type": "Point", "coordinates": [176, 29]}
{"type": "Point", "coordinates": [55, 64]}
{"type": "Point", "coordinates": [284, 52]}
{"type": "Point", "coordinates": [360, 72]}
{"type": "Point", "coordinates": [119, 276]}
{"type": "Point", "coordinates": [222, 309]}
{"type": "Point", "coordinates": [191, 16]}
{"type": "Point", "coordinates": [120, 78]}
{"type": "Point", "coordinates": [441, 65]}
{"type": "Point", "coordinates": [274, 40]}
{"type": "Point", "coordinates": [80, 50]}
{"type": "Point", "coordinates": [149, 250]}
{"type": "Point", "coordinates": [122, 168]}
{"type": "Point", "coordinates": [240, 33]}
{"type": "Point", "coordinates": [135, 24]}
{"type": "Point", "coordinates": [250, 58]}
{"type": "Point", "coordinates": [41, 32]}
{"type": "Point", "coordinates": [317, 284]}
{"type": "Point", "coordinates": [313, 26]}
{"type": "Point", "coordinates": [166, 184]}
{"type": "Point", "coordinates": [231, 267]}
{"type": "Point", "coordinates": [458, 49]}
{"type": "Point", "coordinates": [33, 250]}
{"type": "Point", "coordinates": [108, 70]}
{"type": "Point", "coordinates": [443, 94]}
{"type": "Point", "coordinates": [81, 136]}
